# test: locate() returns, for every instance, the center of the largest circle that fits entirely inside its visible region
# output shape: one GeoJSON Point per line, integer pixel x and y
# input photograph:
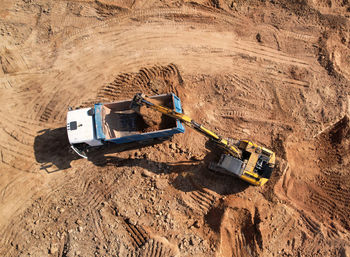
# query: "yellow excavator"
{"type": "Point", "coordinates": [241, 158]}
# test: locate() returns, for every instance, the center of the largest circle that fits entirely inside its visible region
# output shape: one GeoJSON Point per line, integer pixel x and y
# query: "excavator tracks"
{"type": "Point", "coordinates": [200, 201]}
{"type": "Point", "coordinates": [150, 80]}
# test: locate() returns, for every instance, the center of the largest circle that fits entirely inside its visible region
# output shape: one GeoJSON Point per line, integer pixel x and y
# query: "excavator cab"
{"type": "Point", "coordinates": [255, 164]}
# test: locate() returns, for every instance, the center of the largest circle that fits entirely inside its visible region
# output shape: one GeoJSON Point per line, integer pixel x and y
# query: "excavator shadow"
{"type": "Point", "coordinates": [192, 175]}
{"type": "Point", "coordinates": [200, 177]}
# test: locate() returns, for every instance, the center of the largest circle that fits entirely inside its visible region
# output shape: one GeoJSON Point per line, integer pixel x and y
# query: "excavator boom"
{"type": "Point", "coordinates": [140, 99]}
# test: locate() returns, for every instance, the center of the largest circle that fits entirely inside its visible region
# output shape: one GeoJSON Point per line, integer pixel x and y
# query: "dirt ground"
{"type": "Point", "coordinates": [273, 71]}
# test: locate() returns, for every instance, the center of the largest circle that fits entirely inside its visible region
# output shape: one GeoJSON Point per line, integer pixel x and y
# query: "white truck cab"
{"type": "Point", "coordinates": [81, 127]}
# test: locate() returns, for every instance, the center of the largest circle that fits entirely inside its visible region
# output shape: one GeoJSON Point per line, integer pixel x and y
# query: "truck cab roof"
{"type": "Point", "coordinates": [81, 128]}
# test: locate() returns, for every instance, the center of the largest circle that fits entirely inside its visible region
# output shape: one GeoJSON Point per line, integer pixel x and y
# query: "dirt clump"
{"type": "Point", "coordinates": [155, 120]}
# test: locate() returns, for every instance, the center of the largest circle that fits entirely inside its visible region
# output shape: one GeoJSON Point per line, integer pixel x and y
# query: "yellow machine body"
{"type": "Point", "coordinates": [250, 173]}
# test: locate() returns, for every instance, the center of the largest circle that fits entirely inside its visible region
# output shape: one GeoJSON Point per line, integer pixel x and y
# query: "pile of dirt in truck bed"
{"type": "Point", "coordinates": [150, 117]}
{"type": "Point", "coordinates": [275, 72]}
{"type": "Point", "coordinates": [154, 120]}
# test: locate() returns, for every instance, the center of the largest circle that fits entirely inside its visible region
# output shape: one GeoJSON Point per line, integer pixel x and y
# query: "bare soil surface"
{"type": "Point", "coordinates": [275, 72]}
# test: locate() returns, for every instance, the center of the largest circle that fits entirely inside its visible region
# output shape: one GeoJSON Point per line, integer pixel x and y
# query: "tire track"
{"type": "Point", "coordinates": [100, 231]}
{"type": "Point", "coordinates": [266, 75]}
{"type": "Point", "coordinates": [250, 88]}
{"type": "Point", "coordinates": [336, 200]}
{"type": "Point", "coordinates": [248, 94]}
{"type": "Point", "coordinates": [136, 233]}
{"type": "Point", "coordinates": [245, 47]}
{"type": "Point", "coordinates": [185, 12]}
{"type": "Point", "coordinates": [241, 47]}
{"type": "Point", "coordinates": [234, 114]}
{"type": "Point", "coordinates": [17, 136]}
{"type": "Point", "coordinates": [61, 114]}
{"type": "Point", "coordinates": [127, 84]}
{"type": "Point", "coordinates": [116, 21]}
{"type": "Point", "coordinates": [235, 46]}
{"type": "Point", "coordinates": [20, 224]}
{"type": "Point", "coordinates": [11, 234]}
{"type": "Point", "coordinates": [332, 232]}
{"type": "Point", "coordinates": [16, 150]}
{"type": "Point", "coordinates": [8, 236]}
{"type": "Point", "coordinates": [47, 109]}
{"type": "Point", "coordinates": [8, 187]}
{"type": "Point", "coordinates": [93, 194]}
{"type": "Point", "coordinates": [200, 201]}
{"type": "Point", "coordinates": [268, 54]}
{"type": "Point", "coordinates": [10, 164]}
{"type": "Point", "coordinates": [95, 199]}
{"type": "Point", "coordinates": [12, 150]}
{"type": "Point", "coordinates": [298, 36]}
{"type": "Point", "coordinates": [24, 139]}
{"type": "Point", "coordinates": [240, 243]}
{"type": "Point", "coordinates": [25, 125]}
{"type": "Point", "coordinates": [22, 128]}
{"type": "Point", "coordinates": [156, 248]}
{"type": "Point", "coordinates": [249, 116]}
{"type": "Point", "coordinates": [84, 182]}
{"type": "Point", "coordinates": [312, 227]}
{"type": "Point", "coordinates": [27, 94]}
{"type": "Point", "coordinates": [332, 194]}
{"type": "Point", "coordinates": [43, 106]}
{"type": "Point", "coordinates": [242, 84]}
{"type": "Point", "coordinates": [335, 209]}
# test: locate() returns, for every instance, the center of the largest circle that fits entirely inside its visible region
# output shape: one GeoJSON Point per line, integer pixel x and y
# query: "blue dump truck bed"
{"type": "Point", "coordinates": [117, 123]}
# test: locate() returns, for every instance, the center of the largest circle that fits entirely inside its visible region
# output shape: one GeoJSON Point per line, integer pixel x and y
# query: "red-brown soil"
{"type": "Point", "coordinates": [275, 72]}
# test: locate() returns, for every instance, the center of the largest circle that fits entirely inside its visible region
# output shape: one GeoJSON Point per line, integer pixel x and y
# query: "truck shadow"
{"type": "Point", "coordinates": [52, 150]}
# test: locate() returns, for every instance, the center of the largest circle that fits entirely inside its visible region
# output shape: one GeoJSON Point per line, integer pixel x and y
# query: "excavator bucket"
{"type": "Point", "coordinates": [136, 102]}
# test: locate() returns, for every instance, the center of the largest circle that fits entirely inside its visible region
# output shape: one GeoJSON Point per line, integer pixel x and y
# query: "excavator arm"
{"type": "Point", "coordinates": [141, 100]}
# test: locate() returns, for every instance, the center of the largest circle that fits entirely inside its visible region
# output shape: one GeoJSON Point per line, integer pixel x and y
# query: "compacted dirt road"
{"type": "Point", "coordinates": [275, 72]}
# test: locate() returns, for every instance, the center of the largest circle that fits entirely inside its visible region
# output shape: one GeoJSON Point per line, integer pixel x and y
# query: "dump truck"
{"type": "Point", "coordinates": [242, 158]}
{"type": "Point", "coordinates": [117, 123]}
